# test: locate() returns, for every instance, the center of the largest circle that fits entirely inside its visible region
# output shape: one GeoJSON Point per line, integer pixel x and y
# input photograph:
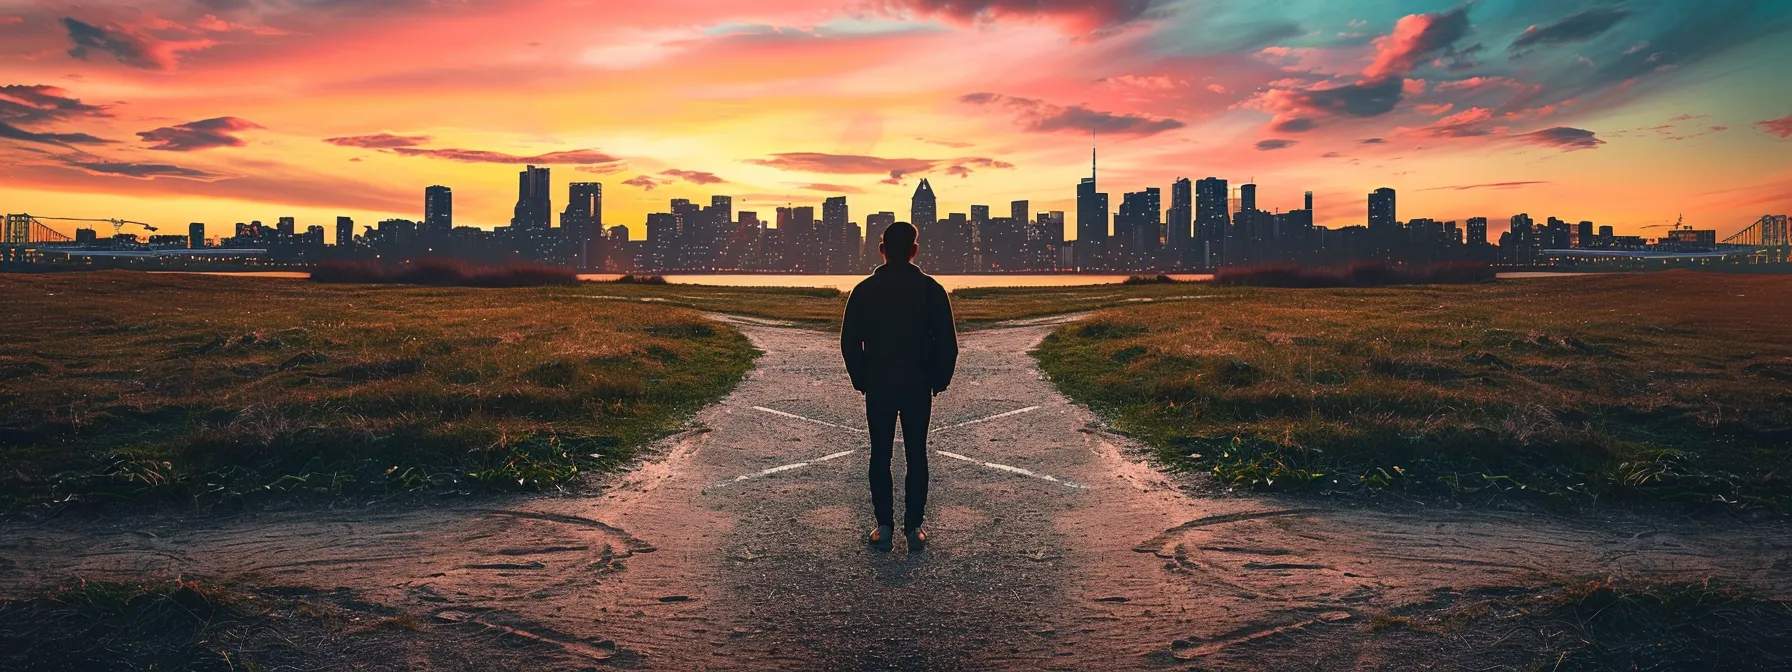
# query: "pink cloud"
{"type": "Point", "coordinates": [1416, 37]}
{"type": "Point", "coordinates": [693, 176]}
{"type": "Point", "coordinates": [645, 182]}
{"type": "Point", "coordinates": [1781, 127]}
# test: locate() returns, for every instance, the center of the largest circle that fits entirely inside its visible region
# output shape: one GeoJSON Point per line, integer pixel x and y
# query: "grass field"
{"type": "Point", "coordinates": [1671, 386]}
{"type": "Point", "coordinates": [121, 385]}
{"type": "Point", "coordinates": [131, 385]}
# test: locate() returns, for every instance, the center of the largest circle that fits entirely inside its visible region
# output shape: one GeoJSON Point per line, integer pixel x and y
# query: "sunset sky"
{"type": "Point", "coordinates": [173, 111]}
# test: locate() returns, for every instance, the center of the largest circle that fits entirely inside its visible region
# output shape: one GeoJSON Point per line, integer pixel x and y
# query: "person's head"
{"type": "Point", "coordinates": [899, 242]}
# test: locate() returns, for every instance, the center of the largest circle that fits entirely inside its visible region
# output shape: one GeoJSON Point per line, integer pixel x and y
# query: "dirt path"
{"type": "Point", "coordinates": [1054, 547]}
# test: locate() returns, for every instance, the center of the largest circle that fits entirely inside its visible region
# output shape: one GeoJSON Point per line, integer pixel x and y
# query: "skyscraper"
{"type": "Point", "coordinates": [874, 234]}
{"type": "Point", "coordinates": [662, 241]}
{"type": "Point", "coordinates": [1381, 209]}
{"type": "Point", "coordinates": [438, 208]}
{"type": "Point", "coordinates": [196, 236]}
{"type": "Point", "coordinates": [1179, 229]}
{"type": "Point", "coordinates": [1477, 231]}
{"type": "Point", "coordinates": [1211, 220]}
{"type": "Point", "coordinates": [286, 226]}
{"type": "Point", "coordinates": [834, 218]}
{"type": "Point", "coordinates": [923, 212]}
{"type": "Point", "coordinates": [689, 249]}
{"type": "Point", "coordinates": [1523, 236]}
{"type": "Point", "coordinates": [345, 231]}
{"type": "Point", "coordinates": [1091, 218]}
{"type": "Point", "coordinates": [1021, 211]}
{"type": "Point", "coordinates": [1309, 201]}
{"type": "Point", "coordinates": [725, 205]}
{"type": "Point", "coordinates": [534, 205]}
{"type": "Point", "coordinates": [1136, 225]}
{"type": "Point", "coordinates": [1247, 197]}
{"type": "Point", "coordinates": [583, 222]}
{"type": "Point", "coordinates": [924, 207]}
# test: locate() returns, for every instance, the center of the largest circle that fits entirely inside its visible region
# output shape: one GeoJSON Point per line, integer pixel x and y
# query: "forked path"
{"type": "Point", "coordinates": [1054, 546]}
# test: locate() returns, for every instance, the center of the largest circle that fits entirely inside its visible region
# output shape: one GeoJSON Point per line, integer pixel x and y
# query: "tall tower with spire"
{"type": "Point", "coordinates": [924, 208]}
{"type": "Point", "coordinates": [1091, 217]}
{"type": "Point", "coordinates": [924, 213]}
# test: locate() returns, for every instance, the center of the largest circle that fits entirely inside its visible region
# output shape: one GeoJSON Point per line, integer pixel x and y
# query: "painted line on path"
{"type": "Point", "coordinates": [794, 416]}
{"type": "Point", "coordinates": [1012, 470]}
{"type": "Point", "coordinates": [997, 416]}
{"type": "Point", "coordinates": [787, 467]}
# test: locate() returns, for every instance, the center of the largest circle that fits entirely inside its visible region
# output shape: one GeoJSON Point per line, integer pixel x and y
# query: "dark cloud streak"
{"type": "Point", "coordinates": [1562, 137]}
{"type": "Point", "coordinates": [1579, 27]}
{"type": "Point", "coordinates": [379, 141]}
{"type": "Point", "coordinates": [198, 135]}
{"type": "Point", "coordinates": [1038, 116]}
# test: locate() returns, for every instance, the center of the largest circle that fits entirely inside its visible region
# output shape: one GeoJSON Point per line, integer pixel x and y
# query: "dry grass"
{"type": "Point", "coordinates": [1672, 385]}
{"type": "Point", "coordinates": [125, 385]}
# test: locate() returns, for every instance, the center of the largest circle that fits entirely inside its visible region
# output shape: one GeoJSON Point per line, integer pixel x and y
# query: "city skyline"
{"type": "Point", "coordinates": [175, 112]}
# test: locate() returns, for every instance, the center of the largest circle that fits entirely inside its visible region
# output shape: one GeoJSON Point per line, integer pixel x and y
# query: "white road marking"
{"type": "Point", "coordinates": [794, 416]}
{"type": "Point", "coordinates": [997, 416]}
{"type": "Point", "coordinates": [991, 465]}
{"type": "Point", "coordinates": [787, 467]}
{"type": "Point", "coordinates": [1012, 470]}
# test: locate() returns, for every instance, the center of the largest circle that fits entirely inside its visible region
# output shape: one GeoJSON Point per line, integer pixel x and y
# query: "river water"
{"type": "Point", "coordinates": [846, 282]}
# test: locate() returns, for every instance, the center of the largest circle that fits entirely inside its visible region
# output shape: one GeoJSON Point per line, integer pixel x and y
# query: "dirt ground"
{"type": "Point", "coordinates": [1054, 547]}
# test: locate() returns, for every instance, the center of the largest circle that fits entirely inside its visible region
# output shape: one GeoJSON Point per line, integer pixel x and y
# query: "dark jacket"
{"type": "Point", "coordinates": [897, 336]}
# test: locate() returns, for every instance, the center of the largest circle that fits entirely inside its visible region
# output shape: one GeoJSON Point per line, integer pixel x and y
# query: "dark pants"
{"type": "Point", "coordinates": [881, 412]}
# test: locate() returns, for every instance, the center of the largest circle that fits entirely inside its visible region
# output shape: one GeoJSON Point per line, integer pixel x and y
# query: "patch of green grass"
{"type": "Point", "coordinates": [199, 388]}
{"type": "Point", "coordinates": [1660, 386]}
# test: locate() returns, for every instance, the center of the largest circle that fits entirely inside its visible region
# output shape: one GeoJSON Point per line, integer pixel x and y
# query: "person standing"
{"type": "Point", "coordinates": [900, 350]}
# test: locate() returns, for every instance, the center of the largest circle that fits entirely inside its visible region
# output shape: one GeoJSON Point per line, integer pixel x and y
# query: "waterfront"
{"type": "Point", "coordinates": [846, 282]}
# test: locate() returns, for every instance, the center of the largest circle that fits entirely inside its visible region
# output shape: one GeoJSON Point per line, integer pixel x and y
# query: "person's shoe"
{"type": "Point", "coordinates": [917, 540]}
{"type": "Point", "coordinates": [880, 535]}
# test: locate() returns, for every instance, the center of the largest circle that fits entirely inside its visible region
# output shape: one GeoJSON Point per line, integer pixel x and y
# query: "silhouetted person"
{"type": "Point", "coordinates": [900, 350]}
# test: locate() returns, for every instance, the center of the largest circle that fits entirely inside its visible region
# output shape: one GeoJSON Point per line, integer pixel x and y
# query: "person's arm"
{"type": "Point", "coordinates": [945, 338]}
{"type": "Point", "coordinates": [852, 341]}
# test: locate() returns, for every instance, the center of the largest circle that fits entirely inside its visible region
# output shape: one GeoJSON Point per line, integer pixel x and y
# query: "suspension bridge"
{"type": "Point", "coordinates": [1771, 236]}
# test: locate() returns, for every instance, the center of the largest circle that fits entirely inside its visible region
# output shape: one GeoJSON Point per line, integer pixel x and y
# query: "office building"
{"type": "Point", "coordinates": [837, 252]}
{"type": "Point", "coordinates": [534, 203]}
{"type": "Point", "coordinates": [438, 208]}
{"type": "Point", "coordinates": [1179, 220]}
{"type": "Point", "coordinates": [1477, 231]}
{"type": "Point", "coordinates": [583, 223]}
{"type": "Point", "coordinates": [1211, 221]}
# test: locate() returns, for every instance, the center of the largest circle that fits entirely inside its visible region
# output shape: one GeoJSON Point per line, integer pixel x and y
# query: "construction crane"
{"type": "Point", "coordinates": [1678, 224]}
{"type": "Point", "coordinates": [117, 224]}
